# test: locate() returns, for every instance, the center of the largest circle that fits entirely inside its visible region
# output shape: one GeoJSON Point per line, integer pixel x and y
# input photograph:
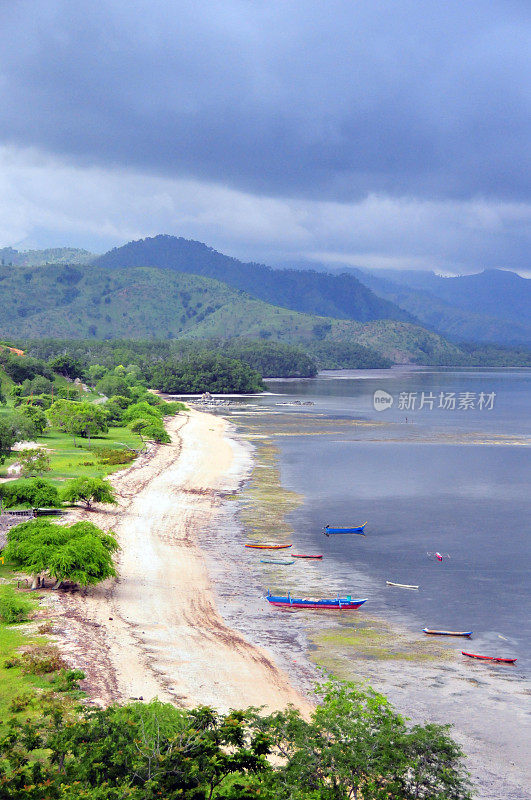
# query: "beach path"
{"type": "Point", "coordinates": [157, 628]}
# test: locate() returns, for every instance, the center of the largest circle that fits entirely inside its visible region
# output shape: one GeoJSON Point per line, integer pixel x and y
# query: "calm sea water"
{"type": "Point", "coordinates": [448, 480]}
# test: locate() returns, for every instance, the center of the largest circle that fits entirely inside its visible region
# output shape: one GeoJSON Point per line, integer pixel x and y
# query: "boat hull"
{"type": "Point", "coordinates": [402, 585]}
{"type": "Point", "coordinates": [302, 555]}
{"type": "Point", "coordinates": [276, 561]}
{"type": "Point", "coordinates": [269, 546]}
{"type": "Point", "coordinates": [490, 658]}
{"type": "Point", "coordinates": [341, 604]}
{"type": "Point", "coordinates": [447, 633]}
{"type": "Point", "coordinates": [360, 529]}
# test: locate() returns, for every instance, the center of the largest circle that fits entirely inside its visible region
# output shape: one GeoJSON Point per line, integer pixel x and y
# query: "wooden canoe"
{"type": "Point", "coordinates": [402, 585]}
{"type": "Point", "coordinates": [490, 658]}
{"type": "Point", "coordinates": [269, 546]}
{"type": "Point", "coordinates": [447, 633]}
{"type": "Point", "coordinates": [304, 555]}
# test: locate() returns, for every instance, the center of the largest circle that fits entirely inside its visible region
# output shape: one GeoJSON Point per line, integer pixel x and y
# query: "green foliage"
{"type": "Point", "coordinates": [347, 355]}
{"type": "Point", "coordinates": [37, 660]}
{"type": "Point", "coordinates": [143, 410]}
{"type": "Point", "coordinates": [81, 552]}
{"type": "Point", "coordinates": [272, 359]}
{"type": "Point", "coordinates": [14, 427]}
{"type": "Point", "coordinates": [21, 368]}
{"type": "Point", "coordinates": [14, 606]}
{"type": "Point", "coordinates": [79, 419]}
{"type": "Point", "coordinates": [67, 365]}
{"type": "Point", "coordinates": [109, 455]}
{"type": "Point", "coordinates": [67, 680]}
{"type": "Point", "coordinates": [113, 384]}
{"type": "Point", "coordinates": [36, 493]}
{"type": "Point", "coordinates": [354, 747]}
{"type": "Point", "coordinates": [33, 461]}
{"type": "Point", "coordinates": [36, 416]}
{"type": "Point", "coordinates": [150, 428]}
{"type": "Point", "coordinates": [207, 373]}
{"type": "Point", "coordinates": [89, 490]}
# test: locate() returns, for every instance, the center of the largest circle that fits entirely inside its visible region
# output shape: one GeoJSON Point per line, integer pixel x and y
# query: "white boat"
{"type": "Point", "coordinates": [402, 585]}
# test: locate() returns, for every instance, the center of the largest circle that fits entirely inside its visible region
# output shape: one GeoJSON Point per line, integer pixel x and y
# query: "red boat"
{"type": "Point", "coordinates": [490, 658]}
{"type": "Point", "coordinates": [304, 555]}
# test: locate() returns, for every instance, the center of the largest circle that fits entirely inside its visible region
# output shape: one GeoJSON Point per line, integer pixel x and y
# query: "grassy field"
{"type": "Point", "coordinates": [13, 682]}
{"type": "Point", "coordinates": [83, 460]}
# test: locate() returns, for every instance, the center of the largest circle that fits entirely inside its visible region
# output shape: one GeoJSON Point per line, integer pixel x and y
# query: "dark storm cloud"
{"type": "Point", "coordinates": [322, 100]}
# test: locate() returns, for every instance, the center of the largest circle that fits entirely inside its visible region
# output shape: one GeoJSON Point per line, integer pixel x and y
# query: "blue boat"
{"type": "Point", "coordinates": [330, 531]}
{"type": "Point", "coordinates": [333, 604]}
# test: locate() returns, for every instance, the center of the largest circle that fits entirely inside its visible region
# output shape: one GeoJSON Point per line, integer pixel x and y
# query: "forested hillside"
{"type": "Point", "coordinates": [341, 297]}
{"type": "Point", "coordinates": [93, 302]}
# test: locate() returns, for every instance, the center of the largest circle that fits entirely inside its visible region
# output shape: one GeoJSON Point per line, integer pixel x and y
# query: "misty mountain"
{"type": "Point", "coordinates": [311, 292]}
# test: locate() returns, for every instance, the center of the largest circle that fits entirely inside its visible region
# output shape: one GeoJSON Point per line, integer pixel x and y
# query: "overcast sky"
{"type": "Point", "coordinates": [375, 132]}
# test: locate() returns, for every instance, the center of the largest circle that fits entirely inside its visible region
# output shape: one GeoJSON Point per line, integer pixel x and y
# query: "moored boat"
{"type": "Point", "coordinates": [269, 546]}
{"type": "Point", "coordinates": [282, 562]}
{"type": "Point", "coordinates": [490, 658]}
{"type": "Point", "coordinates": [446, 633]}
{"type": "Point", "coordinates": [402, 585]}
{"type": "Point", "coordinates": [332, 604]}
{"type": "Point", "coordinates": [358, 529]}
{"type": "Point", "coordinates": [305, 555]}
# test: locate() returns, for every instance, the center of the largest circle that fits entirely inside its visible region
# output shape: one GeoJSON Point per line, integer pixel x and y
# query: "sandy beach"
{"type": "Point", "coordinates": [156, 631]}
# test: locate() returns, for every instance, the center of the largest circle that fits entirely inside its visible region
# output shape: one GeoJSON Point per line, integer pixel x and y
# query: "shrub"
{"type": "Point", "coordinates": [111, 456]}
{"type": "Point", "coordinates": [14, 607]}
{"type": "Point", "coordinates": [34, 493]}
{"type": "Point", "coordinates": [21, 701]}
{"type": "Point", "coordinates": [41, 660]}
{"type": "Point", "coordinates": [67, 680]}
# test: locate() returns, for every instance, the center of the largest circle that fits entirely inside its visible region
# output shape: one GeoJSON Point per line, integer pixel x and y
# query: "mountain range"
{"type": "Point", "coordinates": [170, 287]}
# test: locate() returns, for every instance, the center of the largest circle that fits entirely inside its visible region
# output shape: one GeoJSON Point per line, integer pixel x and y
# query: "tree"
{"type": "Point", "coordinates": [37, 417]}
{"type": "Point", "coordinates": [208, 372]}
{"type": "Point", "coordinates": [89, 490]}
{"type": "Point", "coordinates": [357, 747]}
{"type": "Point", "coordinates": [79, 419]}
{"type": "Point", "coordinates": [112, 384]}
{"type": "Point", "coordinates": [14, 428]}
{"type": "Point", "coordinates": [150, 428]}
{"type": "Point", "coordinates": [34, 461]}
{"type": "Point", "coordinates": [35, 493]}
{"type": "Point", "coordinates": [67, 365]}
{"type": "Point", "coordinates": [81, 553]}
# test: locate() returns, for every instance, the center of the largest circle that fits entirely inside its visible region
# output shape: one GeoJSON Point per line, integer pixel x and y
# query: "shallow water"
{"type": "Point", "coordinates": [448, 480]}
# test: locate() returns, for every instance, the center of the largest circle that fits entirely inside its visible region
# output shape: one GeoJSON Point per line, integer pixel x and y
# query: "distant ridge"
{"type": "Point", "coordinates": [337, 296]}
{"type": "Point", "coordinates": [53, 255]}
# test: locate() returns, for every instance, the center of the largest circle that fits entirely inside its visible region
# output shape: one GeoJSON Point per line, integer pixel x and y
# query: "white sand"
{"type": "Point", "coordinates": [166, 637]}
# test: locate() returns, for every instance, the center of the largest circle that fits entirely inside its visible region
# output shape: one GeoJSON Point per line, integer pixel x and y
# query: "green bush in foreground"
{"type": "Point", "coordinates": [354, 747]}
{"type": "Point", "coordinates": [14, 606]}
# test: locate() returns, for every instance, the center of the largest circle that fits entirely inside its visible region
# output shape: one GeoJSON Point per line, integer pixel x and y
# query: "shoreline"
{"type": "Point", "coordinates": [156, 630]}
{"type": "Point", "coordinates": [486, 708]}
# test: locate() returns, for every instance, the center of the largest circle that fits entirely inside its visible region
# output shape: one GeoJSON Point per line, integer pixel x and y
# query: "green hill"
{"type": "Point", "coordinates": [142, 302]}
{"type": "Point", "coordinates": [338, 296]}
{"type": "Point", "coordinates": [53, 255]}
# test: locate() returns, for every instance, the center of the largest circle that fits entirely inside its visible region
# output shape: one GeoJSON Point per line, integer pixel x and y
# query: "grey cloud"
{"type": "Point", "coordinates": [328, 101]}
